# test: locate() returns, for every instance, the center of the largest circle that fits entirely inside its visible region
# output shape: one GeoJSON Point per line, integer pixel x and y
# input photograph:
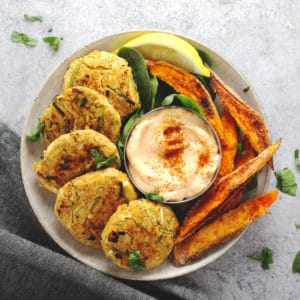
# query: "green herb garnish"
{"type": "Point", "coordinates": [83, 102]}
{"type": "Point", "coordinates": [91, 237]}
{"type": "Point", "coordinates": [154, 195]}
{"type": "Point", "coordinates": [240, 148]}
{"type": "Point", "coordinates": [296, 263]}
{"type": "Point", "coordinates": [184, 101]}
{"type": "Point", "coordinates": [22, 38]}
{"type": "Point", "coordinates": [286, 181]}
{"type": "Point", "coordinates": [35, 135]}
{"type": "Point", "coordinates": [53, 41]}
{"type": "Point", "coordinates": [206, 58]}
{"type": "Point", "coordinates": [135, 261]}
{"type": "Point", "coordinates": [50, 30]}
{"type": "Point", "coordinates": [246, 89]}
{"type": "Point", "coordinates": [146, 84]}
{"type": "Point", "coordinates": [297, 226]}
{"type": "Point", "coordinates": [60, 111]}
{"type": "Point", "coordinates": [102, 161]}
{"type": "Point", "coordinates": [33, 18]}
{"type": "Point", "coordinates": [51, 177]}
{"type": "Point", "coordinates": [266, 258]}
{"type": "Point", "coordinates": [297, 160]}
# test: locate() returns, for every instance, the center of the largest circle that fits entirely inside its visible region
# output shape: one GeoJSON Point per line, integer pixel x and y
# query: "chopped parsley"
{"type": "Point", "coordinates": [286, 181]}
{"type": "Point", "coordinates": [266, 258]}
{"type": "Point", "coordinates": [53, 41]}
{"type": "Point", "coordinates": [297, 226]}
{"type": "Point", "coordinates": [297, 160]}
{"type": "Point", "coordinates": [33, 18]}
{"type": "Point", "coordinates": [296, 263]}
{"type": "Point", "coordinates": [35, 135]}
{"type": "Point", "coordinates": [22, 38]}
{"type": "Point", "coordinates": [154, 195]}
{"type": "Point", "coordinates": [102, 161]}
{"type": "Point", "coordinates": [246, 89]}
{"type": "Point", "coordinates": [135, 261]}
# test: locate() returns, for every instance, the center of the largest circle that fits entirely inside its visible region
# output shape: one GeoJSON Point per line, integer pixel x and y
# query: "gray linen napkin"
{"type": "Point", "coordinates": [33, 266]}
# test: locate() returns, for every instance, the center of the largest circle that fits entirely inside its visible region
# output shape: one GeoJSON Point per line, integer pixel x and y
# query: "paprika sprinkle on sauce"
{"type": "Point", "coordinates": [172, 150]}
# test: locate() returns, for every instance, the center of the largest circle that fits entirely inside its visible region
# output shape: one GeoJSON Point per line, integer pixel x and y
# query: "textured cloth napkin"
{"type": "Point", "coordinates": [33, 266]}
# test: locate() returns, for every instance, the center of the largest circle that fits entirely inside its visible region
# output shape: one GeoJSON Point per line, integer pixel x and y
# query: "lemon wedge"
{"type": "Point", "coordinates": [170, 48]}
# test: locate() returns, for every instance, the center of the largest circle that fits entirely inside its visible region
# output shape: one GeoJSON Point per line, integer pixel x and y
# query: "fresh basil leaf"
{"type": "Point", "coordinates": [286, 181]}
{"type": "Point", "coordinates": [35, 135]}
{"type": "Point", "coordinates": [297, 161]}
{"type": "Point", "coordinates": [206, 58]}
{"type": "Point", "coordinates": [154, 195]}
{"type": "Point", "coordinates": [33, 18]}
{"type": "Point", "coordinates": [135, 261]}
{"type": "Point", "coordinates": [296, 263]}
{"type": "Point", "coordinates": [163, 91]}
{"type": "Point", "coordinates": [154, 88]}
{"type": "Point", "coordinates": [266, 258]}
{"type": "Point", "coordinates": [53, 41]}
{"type": "Point", "coordinates": [184, 101]}
{"type": "Point", "coordinates": [22, 38]}
{"type": "Point", "coordinates": [142, 78]}
{"type": "Point", "coordinates": [102, 161]}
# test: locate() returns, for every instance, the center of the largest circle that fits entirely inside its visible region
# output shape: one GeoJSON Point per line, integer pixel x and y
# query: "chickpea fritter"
{"type": "Point", "coordinates": [80, 108]}
{"type": "Point", "coordinates": [74, 154]}
{"type": "Point", "coordinates": [107, 74]}
{"type": "Point", "coordinates": [84, 204]}
{"type": "Point", "coordinates": [140, 235]}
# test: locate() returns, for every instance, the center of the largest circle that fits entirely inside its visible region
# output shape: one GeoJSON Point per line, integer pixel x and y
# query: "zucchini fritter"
{"type": "Point", "coordinates": [80, 108]}
{"type": "Point", "coordinates": [84, 204]}
{"type": "Point", "coordinates": [73, 154]}
{"type": "Point", "coordinates": [107, 74]}
{"type": "Point", "coordinates": [140, 234]}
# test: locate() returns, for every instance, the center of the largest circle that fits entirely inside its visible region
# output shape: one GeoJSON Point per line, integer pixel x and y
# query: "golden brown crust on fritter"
{"type": "Point", "coordinates": [84, 204]}
{"type": "Point", "coordinates": [107, 74]}
{"type": "Point", "coordinates": [69, 156]}
{"type": "Point", "coordinates": [143, 226]}
{"type": "Point", "coordinates": [80, 108]}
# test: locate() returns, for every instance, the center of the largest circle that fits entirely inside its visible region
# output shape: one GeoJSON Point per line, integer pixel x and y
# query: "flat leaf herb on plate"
{"type": "Point", "coordinates": [22, 38]}
{"type": "Point", "coordinates": [297, 160]}
{"type": "Point", "coordinates": [154, 195]}
{"type": "Point", "coordinates": [35, 135]}
{"type": "Point", "coordinates": [101, 161]}
{"type": "Point", "coordinates": [135, 261]}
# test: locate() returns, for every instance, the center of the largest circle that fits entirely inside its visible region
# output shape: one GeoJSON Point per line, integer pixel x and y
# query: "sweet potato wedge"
{"type": "Point", "coordinates": [248, 119]}
{"type": "Point", "coordinates": [248, 154]}
{"type": "Point", "coordinates": [222, 229]}
{"type": "Point", "coordinates": [214, 198]}
{"type": "Point", "coordinates": [188, 85]}
{"type": "Point", "coordinates": [229, 148]}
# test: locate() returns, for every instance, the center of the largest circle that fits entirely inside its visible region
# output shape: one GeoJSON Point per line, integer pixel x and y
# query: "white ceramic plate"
{"type": "Point", "coordinates": [42, 202]}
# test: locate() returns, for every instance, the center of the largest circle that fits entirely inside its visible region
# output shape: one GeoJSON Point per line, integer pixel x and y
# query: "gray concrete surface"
{"type": "Point", "coordinates": [261, 38]}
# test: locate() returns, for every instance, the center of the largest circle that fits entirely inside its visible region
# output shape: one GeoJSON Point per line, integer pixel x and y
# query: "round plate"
{"type": "Point", "coordinates": [42, 202]}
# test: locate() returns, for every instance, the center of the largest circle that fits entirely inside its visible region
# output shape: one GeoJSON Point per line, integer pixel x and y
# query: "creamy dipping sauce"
{"type": "Point", "coordinates": [172, 150]}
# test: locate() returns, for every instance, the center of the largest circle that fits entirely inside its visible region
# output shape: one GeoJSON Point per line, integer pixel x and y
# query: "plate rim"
{"type": "Point", "coordinates": [137, 276]}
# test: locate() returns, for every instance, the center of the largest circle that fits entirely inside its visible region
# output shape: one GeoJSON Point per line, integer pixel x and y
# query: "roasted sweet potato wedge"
{"type": "Point", "coordinates": [229, 148]}
{"type": "Point", "coordinates": [248, 119]}
{"type": "Point", "coordinates": [188, 85]}
{"type": "Point", "coordinates": [214, 198]}
{"type": "Point", "coordinates": [222, 229]}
